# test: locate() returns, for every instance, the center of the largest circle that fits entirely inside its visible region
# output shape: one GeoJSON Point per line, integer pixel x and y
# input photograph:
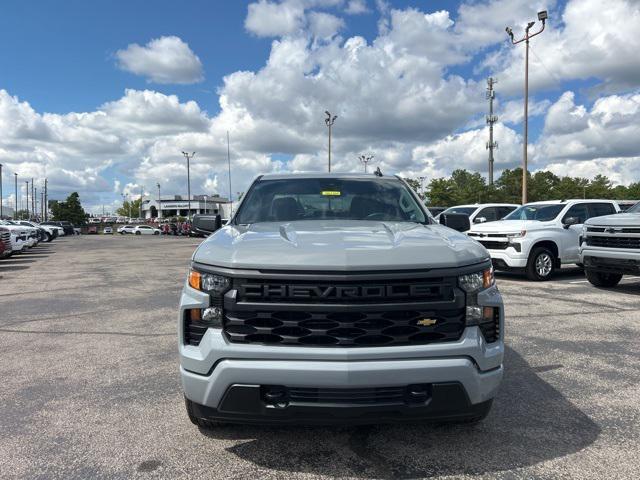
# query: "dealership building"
{"type": "Point", "coordinates": [169, 206]}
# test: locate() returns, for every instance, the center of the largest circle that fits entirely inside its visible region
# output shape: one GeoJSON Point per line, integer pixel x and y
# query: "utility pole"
{"type": "Point", "coordinates": [542, 16]}
{"type": "Point", "coordinates": [491, 119]}
{"type": "Point", "coordinates": [140, 206]}
{"type": "Point", "coordinates": [189, 157]}
{"type": "Point", "coordinates": [15, 211]}
{"type": "Point", "coordinates": [0, 191]}
{"type": "Point", "coordinates": [35, 200]}
{"type": "Point", "coordinates": [159, 203]}
{"type": "Point", "coordinates": [364, 160]}
{"type": "Point", "coordinates": [33, 192]}
{"type": "Point", "coordinates": [229, 165]}
{"type": "Point", "coordinates": [46, 201]}
{"type": "Point", "coordinates": [329, 121]}
{"type": "Point", "coordinates": [26, 191]}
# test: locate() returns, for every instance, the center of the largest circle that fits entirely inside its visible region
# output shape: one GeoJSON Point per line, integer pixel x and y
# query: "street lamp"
{"type": "Point", "coordinates": [159, 202]}
{"type": "Point", "coordinates": [15, 210]}
{"type": "Point", "coordinates": [329, 121]}
{"type": "Point", "coordinates": [0, 191]}
{"type": "Point", "coordinates": [188, 157]}
{"type": "Point", "coordinates": [542, 16]}
{"type": "Point", "coordinates": [364, 160]}
{"type": "Point", "coordinates": [27, 194]}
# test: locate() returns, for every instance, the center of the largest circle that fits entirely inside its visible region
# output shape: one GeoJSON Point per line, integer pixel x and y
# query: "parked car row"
{"type": "Point", "coordinates": [19, 235]}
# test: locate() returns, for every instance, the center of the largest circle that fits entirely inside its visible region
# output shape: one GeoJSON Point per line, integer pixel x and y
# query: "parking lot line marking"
{"type": "Point", "coordinates": [579, 281]}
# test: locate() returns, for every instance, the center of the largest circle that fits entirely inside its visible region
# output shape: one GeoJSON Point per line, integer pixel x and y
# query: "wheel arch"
{"type": "Point", "coordinates": [550, 245]}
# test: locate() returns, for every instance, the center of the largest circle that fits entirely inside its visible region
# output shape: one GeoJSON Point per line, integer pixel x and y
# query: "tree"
{"type": "Point", "coordinates": [541, 184]}
{"type": "Point", "coordinates": [441, 192]}
{"type": "Point", "coordinates": [70, 210]}
{"type": "Point", "coordinates": [124, 210]}
{"type": "Point", "coordinates": [600, 187]}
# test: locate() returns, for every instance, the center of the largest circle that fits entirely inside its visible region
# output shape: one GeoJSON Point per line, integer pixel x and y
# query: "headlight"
{"type": "Point", "coordinates": [208, 282]}
{"type": "Point", "coordinates": [520, 234]}
{"type": "Point", "coordinates": [473, 282]}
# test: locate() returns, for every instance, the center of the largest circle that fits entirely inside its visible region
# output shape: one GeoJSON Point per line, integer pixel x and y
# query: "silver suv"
{"type": "Point", "coordinates": [338, 299]}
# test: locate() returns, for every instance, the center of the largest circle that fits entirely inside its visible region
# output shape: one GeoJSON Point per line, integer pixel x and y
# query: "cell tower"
{"type": "Point", "coordinates": [491, 119]}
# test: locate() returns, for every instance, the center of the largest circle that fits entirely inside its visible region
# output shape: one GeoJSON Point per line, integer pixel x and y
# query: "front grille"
{"type": "Point", "coordinates": [193, 332]}
{"type": "Point", "coordinates": [343, 292]}
{"type": "Point", "coordinates": [5, 239]}
{"type": "Point", "coordinates": [635, 230]}
{"type": "Point", "coordinates": [614, 242]}
{"type": "Point", "coordinates": [350, 396]}
{"type": "Point", "coordinates": [492, 245]}
{"type": "Point", "coordinates": [344, 329]}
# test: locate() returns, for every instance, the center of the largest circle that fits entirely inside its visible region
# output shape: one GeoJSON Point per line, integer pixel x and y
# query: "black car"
{"type": "Point", "coordinates": [66, 226]}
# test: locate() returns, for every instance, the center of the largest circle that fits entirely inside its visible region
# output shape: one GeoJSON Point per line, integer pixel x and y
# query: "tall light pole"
{"type": "Point", "coordinates": [159, 203]}
{"type": "Point", "coordinates": [364, 160]}
{"type": "Point", "coordinates": [46, 200]}
{"type": "Point", "coordinates": [188, 157]}
{"type": "Point", "coordinates": [491, 119]}
{"type": "Point", "coordinates": [329, 121]}
{"type": "Point", "coordinates": [141, 196]}
{"type": "Point", "coordinates": [33, 197]}
{"type": "Point", "coordinates": [15, 210]}
{"type": "Point", "coordinates": [27, 193]}
{"type": "Point", "coordinates": [542, 16]}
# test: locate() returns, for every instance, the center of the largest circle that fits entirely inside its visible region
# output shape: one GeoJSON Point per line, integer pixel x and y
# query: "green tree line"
{"type": "Point", "coordinates": [467, 187]}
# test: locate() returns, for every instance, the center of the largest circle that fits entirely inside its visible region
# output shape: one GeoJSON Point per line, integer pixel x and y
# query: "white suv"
{"type": "Point", "coordinates": [538, 237]}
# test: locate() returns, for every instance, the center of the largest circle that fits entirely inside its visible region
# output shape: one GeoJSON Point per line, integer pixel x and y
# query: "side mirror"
{"type": "Point", "coordinates": [479, 220]}
{"type": "Point", "coordinates": [570, 221]}
{"type": "Point", "coordinates": [456, 221]}
{"type": "Point", "coordinates": [206, 224]}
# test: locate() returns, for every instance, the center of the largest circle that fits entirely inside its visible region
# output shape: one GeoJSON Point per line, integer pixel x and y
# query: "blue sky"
{"type": "Point", "coordinates": [62, 57]}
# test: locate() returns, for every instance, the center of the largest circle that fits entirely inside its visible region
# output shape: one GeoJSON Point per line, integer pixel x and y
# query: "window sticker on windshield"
{"type": "Point", "coordinates": [330, 193]}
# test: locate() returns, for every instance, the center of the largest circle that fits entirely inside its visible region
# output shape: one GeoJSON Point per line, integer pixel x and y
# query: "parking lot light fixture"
{"type": "Point", "coordinates": [542, 16]}
{"type": "Point", "coordinates": [188, 157]}
{"type": "Point", "coordinates": [329, 121]}
{"type": "Point", "coordinates": [159, 202]}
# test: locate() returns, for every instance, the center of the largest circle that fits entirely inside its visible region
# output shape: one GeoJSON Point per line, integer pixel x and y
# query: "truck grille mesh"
{"type": "Point", "coordinates": [614, 242]}
{"type": "Point", "coordinates": [346, 329]}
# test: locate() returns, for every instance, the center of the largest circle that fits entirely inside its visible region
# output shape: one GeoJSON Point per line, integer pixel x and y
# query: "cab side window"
{"type": "Point", "coordinates": [504, 211]}
{"type": "Point", "coordinates": [580, 211]}
{"type": "Point", "coordinates": [600, 209]}
{"type": "Point", "coordinates": [489, 213]}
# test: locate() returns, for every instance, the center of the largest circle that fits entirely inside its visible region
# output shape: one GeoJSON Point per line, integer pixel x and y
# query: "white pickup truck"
{"type": "Point", "coordinates": [611, 247]}
{"type": "Point", "coordinates": [541, 236]}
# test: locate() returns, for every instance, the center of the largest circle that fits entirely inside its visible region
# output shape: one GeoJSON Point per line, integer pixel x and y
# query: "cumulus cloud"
{"type": "Point", "coordinates": [356, 7]}
{"type": "Point", "coordinates": [162, 60]}
{"type": "Point", "coordinates": [273, 19]}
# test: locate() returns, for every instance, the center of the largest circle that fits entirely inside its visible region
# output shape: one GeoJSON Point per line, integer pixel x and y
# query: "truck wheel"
{"type": "Point", "coordinates": [602, 279]}
{"type": "Point", "coordinates": [48, 237]}
{"type": "Point", "coordinates": [541, 264]}
{"type": "Point", "coordinates": [138, 233]}
{"type": "Point", "coordinates": [199, 422]}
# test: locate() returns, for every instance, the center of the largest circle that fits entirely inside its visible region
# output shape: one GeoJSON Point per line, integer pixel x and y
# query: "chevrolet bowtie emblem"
{"type": "Point", "coordinates": [427, 322]}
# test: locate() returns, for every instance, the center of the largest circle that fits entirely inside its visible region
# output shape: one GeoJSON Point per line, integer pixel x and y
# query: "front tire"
{"type": "Point", "coordinates": [48, 237]}
{"type": "Point", "coordinates": [138, 233]}
{"type": "Point", "coordinates": [541, 265]}
{"type": "Point", "coordinates": [602, 279]}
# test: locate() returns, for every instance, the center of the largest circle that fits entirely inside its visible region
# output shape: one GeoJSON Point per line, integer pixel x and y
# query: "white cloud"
{"type": "Point", "coordinates": [271, 19]}
{"type": "Point", "coordinates": [356, 7]}
{"type": "Point", "coordinates": [162, 60]}
{"type": "Point", "coordinates": [324, 25]}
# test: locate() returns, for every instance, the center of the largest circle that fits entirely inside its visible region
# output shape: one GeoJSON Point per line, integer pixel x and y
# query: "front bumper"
{"type": "Point", "coordinates": [610, 260]}
{"type": "Point", "coordinates": [508, 258]}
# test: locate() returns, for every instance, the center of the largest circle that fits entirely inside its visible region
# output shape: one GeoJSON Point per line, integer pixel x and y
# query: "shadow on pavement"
{"type": "Point", "coordinates": [531, 422]}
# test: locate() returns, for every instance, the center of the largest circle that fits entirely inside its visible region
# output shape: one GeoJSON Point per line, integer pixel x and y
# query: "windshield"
{"type": "Point", "coordinates": [634, 209]}
{"type": "Point", "coordinates": [464, 210]}
{"type": "Point", "coordinates": [540, 212]}
{"type": "Point", "coordinates": [293, 199]}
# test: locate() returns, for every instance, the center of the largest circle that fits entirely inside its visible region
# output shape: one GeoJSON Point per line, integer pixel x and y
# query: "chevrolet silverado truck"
{"type": "Point", "coordinates": [540, 237]}
{"type": "Point", "coordinates": [611, 247]}
{"type": "Point", "coordinates": [333, 298]}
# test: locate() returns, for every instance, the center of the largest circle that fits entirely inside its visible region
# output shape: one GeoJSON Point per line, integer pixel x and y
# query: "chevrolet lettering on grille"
{"type": "Point", "coordinates": [332, 292]}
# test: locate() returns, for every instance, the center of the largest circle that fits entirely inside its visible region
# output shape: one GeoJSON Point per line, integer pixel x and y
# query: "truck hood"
{"type": "Point", "coordinates": [339, 245]}
{"type": "Point", "coordinates": [508, 226]}
{"type": "Point", "coordinates": [616, 220]}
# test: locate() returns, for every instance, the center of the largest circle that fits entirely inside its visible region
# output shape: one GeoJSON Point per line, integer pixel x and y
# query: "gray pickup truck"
{"type": "Point", "coordinates": [610, 247]}
{"type": "Point", "coordinates": [337, 298]}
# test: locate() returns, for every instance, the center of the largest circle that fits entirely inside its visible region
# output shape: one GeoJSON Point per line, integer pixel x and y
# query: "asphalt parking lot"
{"type": "Point", "coordinates": [90, 387]}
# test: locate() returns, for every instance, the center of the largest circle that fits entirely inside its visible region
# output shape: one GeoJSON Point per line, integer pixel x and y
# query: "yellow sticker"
{"type": "Point", "coordinates": [330, 193]}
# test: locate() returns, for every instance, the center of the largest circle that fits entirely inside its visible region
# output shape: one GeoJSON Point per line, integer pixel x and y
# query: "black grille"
{"type": "Point", "coordinates": [352, 396]}
{"type": "Point", "coordinates": [345, 329]}
{"type": "Point", "coordinates": [347, 292]}
{"type": "Point", "coordinates": [193, 330]}
{"type": "Point", "coordinates": [5, 238]}
{"type": "Point", "coordinates": [614, 242]}
{"type": "Point", "coordinates": [492, 245]}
